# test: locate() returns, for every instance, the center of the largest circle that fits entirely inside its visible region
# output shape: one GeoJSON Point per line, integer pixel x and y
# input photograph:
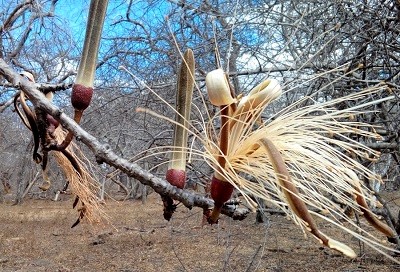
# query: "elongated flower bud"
{"type": "Point", "coordinates": [218, 89]}
{"type": "Point", "coordinates": [94, 28]}
{"type": "Point", "coordinates": [82, 90]}
{"type": "Point", "coordinates": [176, 174]}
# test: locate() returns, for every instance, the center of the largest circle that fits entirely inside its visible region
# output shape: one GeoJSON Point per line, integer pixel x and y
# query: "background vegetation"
{"type": "Point", "coordinates": [326, 49]}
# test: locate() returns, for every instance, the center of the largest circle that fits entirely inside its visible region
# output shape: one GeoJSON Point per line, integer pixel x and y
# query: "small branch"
{"type": "Point", "coordinates": [28, 188]}
{"type": "Point", "coordinates": [390, 220]}
{"type": "Point", "coordinates": [6, 104]}
{"type": "Point", "coordinates": [104, 154]}
{"type": "Point", "coordinates": [44, 87]}
{"type": "Point", "coordinates": [127, 191]}
{"type": "Point", "coordinates": [252, 259]}
{"type": "Point", "coordinates": [382, 145]}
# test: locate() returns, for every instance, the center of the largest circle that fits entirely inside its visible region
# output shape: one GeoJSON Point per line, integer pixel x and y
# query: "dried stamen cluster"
{"type": "Point", "coordinates": [292, 161]}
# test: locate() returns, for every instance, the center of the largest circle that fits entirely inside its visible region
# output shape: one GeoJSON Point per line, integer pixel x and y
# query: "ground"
{"type": "Point", "coordinates": [36, 236]}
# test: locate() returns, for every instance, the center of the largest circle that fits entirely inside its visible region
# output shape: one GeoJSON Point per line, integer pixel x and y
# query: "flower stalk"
{"type": "Point", "coordinates": [220, 94]}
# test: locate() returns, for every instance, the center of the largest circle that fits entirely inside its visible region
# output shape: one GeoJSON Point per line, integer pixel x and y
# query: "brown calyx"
{"type": "Point", "coordinates": [176, 177]}
{"type": "Point", "coordinates": [221, 192]}
{"type": "Point", "coordinates": [81, 96]}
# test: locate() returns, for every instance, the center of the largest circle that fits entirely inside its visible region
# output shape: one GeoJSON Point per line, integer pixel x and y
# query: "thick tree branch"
{"type": "Point", "coordinates": [104, 154]}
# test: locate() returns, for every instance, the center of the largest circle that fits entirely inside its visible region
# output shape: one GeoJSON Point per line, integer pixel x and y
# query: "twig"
{"type": "Point", "coordinates": [28, 188]}
{"type": "Point", "coordinates": [176, 254]}
{"type": "Point", "coordinates": [252, 259]}
{"type": "Point", "coordinates": [390, 220]}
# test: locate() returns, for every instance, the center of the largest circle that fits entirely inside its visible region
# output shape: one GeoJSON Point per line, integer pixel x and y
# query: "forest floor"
{"type": "Point", "coordinates": [36, 236]}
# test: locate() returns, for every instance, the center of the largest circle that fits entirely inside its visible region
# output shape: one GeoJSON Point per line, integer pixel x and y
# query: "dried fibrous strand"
{"type": "Point", "coordinates": [82, 182]}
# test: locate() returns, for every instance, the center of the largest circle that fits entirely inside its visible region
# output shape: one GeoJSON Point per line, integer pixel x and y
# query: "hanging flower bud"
{"type": "Point", "coordinates": [176, 174]}
{"type": "Point", "coordinates": [218, 89]}
{"type": "Point", "coordinates": [82, 90]}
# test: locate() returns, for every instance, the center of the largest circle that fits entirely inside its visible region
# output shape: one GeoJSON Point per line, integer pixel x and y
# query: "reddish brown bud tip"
{"type": "Point", "coordinates": [221, 191]}
{"type": "Point", "coordinates": [81, 96]}
{"type": "Point", "coordinates": [176, 177]}
{"type": "Point", "coordinates": [52, 121]}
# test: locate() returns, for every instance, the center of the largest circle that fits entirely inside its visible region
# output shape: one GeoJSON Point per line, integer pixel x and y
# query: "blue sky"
{"type": "Point", "coordinates": [74, 13]}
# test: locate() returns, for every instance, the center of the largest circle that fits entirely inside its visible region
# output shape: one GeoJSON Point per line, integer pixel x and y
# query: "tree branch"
{"type": "Point", "coordinates": [104, 154]}
{"type": "Point", "coordinates": [382, 145]}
